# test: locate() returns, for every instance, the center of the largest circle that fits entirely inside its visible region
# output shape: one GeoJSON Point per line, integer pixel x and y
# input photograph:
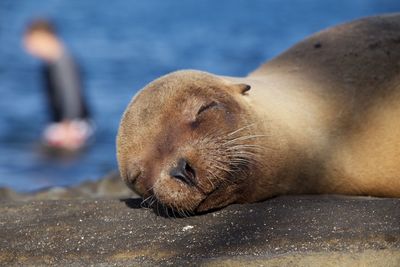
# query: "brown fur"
{"type": "Point", "coordinates": [320, 118]}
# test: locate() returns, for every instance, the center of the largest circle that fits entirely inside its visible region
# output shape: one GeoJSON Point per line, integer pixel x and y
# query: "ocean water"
{"type": "Point", "coordinates": [123, 45]}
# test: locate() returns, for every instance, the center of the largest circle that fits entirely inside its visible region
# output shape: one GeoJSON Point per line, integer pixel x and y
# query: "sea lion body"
{"type": "Point", "coordinates": [320, 118]}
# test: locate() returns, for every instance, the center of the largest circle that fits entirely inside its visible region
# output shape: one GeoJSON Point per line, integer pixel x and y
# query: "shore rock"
{"type": "Point", "coordinates": [285, 231]}
{"type": "Point", "coordinates": [110, 186]}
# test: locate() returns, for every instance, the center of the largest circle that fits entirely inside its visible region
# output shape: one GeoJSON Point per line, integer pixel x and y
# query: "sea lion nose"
{"type": "Point", "coordinates": [184, 172]}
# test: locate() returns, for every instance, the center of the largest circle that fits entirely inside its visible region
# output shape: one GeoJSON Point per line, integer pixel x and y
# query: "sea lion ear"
{"type": "Point", "coordinates": [242, 88]}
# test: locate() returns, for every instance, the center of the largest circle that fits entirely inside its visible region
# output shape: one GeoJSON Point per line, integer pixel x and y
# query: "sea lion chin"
{"type": "Point", "coordinates": [316, 119]}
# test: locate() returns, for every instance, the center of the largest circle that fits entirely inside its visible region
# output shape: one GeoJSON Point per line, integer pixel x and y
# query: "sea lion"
{"type": "Point", "coordinates": [320, 118]}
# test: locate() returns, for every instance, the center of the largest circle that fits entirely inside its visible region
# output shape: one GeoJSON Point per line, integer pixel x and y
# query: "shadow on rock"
{"type": "Point", "coordinates": [133, 203]}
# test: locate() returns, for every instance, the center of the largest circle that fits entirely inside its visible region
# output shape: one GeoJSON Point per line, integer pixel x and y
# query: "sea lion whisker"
{"type": "Point", "coordinates": [145, 201]}
{"type": "Point", "coordinates": [221, 168]}
{"type": "Point", "coordinates": [159, 205]}
{"type": "Point", "coordinates": [180, 213]}
{"type": "Point", "coordinates": [239, 155]}
{"type": "Point", "coordinates": [239, 147]}
{"type": "Point", "coordinates": [211, 134]}
{"type": "Point", "coordinates": [179, 210]}
{"type": "Point", "coordinates": [225, 167]}
{"type": "Point", "coordinates": [166, 211]}
{"type": "Point", "coordinates": [250, 135]}
{"type": "Point", "coordinates": [150, 189]}
{"type": "Point", "coordinates": [186, 213]}
{"type": "Point", "coordinates": [241, 129]}
{"type": "Point", "coordinates": [252, 146]}
{"type": "Point", "coordinates": [152, 201]}
{"type": "Point", "coordinates": [209, 180]}
{"type": "Point", "coordinates": [217, 177]}
{"type": "Point", "coordinates": [247, 137]}
{"type": "Point", "coordinates": [244, 154]}
{"type": "Point", "coordinates": [244, 145]}
{"type": "Point", "coordinates": [147, 198]}
{"type": "Point", "coordinates": [241, 160]}
{"type": "Point", "coordinates": [173, 211]}
{"type": "Point", "coordinates": [223, 180]}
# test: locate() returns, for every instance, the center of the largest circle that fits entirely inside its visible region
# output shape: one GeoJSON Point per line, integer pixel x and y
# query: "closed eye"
{"type": "Point", "coordinates": [206, 107]}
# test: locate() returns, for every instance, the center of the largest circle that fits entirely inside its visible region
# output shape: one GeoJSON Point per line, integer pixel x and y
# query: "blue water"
{"type": "Point", "coordinates": [122, 45]}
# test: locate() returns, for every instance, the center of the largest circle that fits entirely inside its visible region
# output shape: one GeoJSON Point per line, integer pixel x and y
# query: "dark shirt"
{"type": "Point", "coordinates": [64, 90]}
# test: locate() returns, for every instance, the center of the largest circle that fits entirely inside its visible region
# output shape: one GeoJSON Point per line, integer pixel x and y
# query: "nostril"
{"type": "Point", "coordinates": [189, 170]}
{"type": "Point", "coordinates": [184, 172]}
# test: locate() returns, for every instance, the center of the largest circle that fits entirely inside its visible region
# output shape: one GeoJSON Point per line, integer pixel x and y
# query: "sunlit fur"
{"type": "Point", "coordinates": [317, 119]}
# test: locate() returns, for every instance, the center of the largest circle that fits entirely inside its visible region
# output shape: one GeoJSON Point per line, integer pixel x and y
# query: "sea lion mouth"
{"type": "Point", "coordinates": [169, 211]}
{"type": "Point", "coordinates": [203, 203]}
{"type": "Point", "coordinates": [177, 208]}
{"type": "Point", "coordinates": [222, 196]}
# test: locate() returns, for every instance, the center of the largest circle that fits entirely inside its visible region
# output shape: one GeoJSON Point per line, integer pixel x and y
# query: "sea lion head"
{"type": "Point", "coordinates": [185, 141]}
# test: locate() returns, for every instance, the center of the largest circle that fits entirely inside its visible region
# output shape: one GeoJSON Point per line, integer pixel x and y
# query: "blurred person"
{"type": "Point", "coordinates": [70, 125]}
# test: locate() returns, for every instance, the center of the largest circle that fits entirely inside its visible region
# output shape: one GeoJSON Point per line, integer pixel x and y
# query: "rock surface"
{"type": "Point", "coordinates": [285, 231]}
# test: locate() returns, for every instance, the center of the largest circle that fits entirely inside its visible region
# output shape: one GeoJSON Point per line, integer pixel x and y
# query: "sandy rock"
{"type": "Point", "coordinates": [285, 231]}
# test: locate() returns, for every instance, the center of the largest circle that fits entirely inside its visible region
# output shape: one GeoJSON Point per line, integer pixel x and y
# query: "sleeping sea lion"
{"type": "Point", "coordinates": [321, 118]}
